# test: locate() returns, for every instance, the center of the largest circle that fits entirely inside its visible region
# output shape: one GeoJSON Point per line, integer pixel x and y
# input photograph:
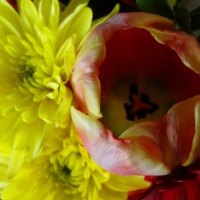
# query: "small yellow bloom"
{"type": "Point", "coordinates": [38, 47]}
{"type": "Point", "coordinates": [66, 171]}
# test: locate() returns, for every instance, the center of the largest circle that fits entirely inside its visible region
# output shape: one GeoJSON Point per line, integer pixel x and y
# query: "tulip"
{"type": "Point", "coordinates": [136, 84]}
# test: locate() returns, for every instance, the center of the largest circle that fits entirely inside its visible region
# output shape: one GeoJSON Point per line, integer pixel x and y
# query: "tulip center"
{"type": "Point", "coordinates": [139, 105]}
{"type": "Point", "coordinates": [141, 79]}
{"type": "Point", "coordinates": [133, 99]}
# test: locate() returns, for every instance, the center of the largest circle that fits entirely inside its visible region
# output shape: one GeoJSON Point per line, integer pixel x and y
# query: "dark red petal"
{"type": "Point", "coordinates": [135, 53]}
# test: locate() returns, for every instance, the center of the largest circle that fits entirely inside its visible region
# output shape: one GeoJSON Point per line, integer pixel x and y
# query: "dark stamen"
{"type": "Point", "coordinates": [139, 105]}
{"type": "Point", "coordinates": [29, 72]}
{"type": "Point", "coordinates": [134, 89]}
{"type": "Point", "coordinates": [66, 170]}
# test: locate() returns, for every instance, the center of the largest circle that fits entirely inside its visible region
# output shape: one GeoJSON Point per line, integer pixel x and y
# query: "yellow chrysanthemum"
{"type": "Point", "coordinates": [66, 171]}
{"type": "Point", "coordinates": [38, 47]}
{"type": "Point", "coordinates": [5, 152]}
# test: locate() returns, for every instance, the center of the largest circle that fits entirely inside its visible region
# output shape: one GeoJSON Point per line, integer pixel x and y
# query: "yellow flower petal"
{"type": "Point", "coordinates": [65, 171]}
{"type": "Point", "coordinates": [38, 51]}
{"type": "Point", "coordinates": [49, 10]}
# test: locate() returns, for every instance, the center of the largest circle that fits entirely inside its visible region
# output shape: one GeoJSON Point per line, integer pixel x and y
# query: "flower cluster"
{"type": "Point", "coordinates": [98, 109]}
{"type": "Point", "coordinates": [65, 171]}
{"type": "Point", "coordinates": [39, 148]}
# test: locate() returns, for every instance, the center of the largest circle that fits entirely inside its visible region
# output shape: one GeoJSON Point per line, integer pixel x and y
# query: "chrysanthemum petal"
{"type": "Point", "coordinates": [9, 14]}
{"type": "Point", "coordinates": [52, 113]}
{"type": "Point", "coordinates": [66, 56]}
{"type": "Point", "coordinates": [38, 48]}
{"type": "Point", "coordinates": [123, 183]}
{"type": "Point", "coordinates": [16, 160]}
{"type": "Point", "coordinates": [129, 156]}
{"type": "Point", "coordinates": [31, 113]}
{"type": "Point", "coordinates": [30, 17]}
{"type": "Point", "coordinates": [49, 10]}
{"type": "Point", "coordinates": [84, 15]}
{"type": "Point", "coordinates": [7, 29]}
{"type": "Point", "coordinates": [53, 182]}
{"type": "Point", "coordinates": [65, 24]}
{"type": "Point", "coordinates": [101, 20]}
{"type": "Point", "coordinates": [47, 110]}
{"type": "Point", "coordinates": [72, 6]}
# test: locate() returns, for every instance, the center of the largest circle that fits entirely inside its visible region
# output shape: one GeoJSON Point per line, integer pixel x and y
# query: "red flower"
{"type": "Point", "coordinates": [148, 73]}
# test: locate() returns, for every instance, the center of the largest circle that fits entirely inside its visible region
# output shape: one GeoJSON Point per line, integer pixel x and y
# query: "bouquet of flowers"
{"type": "Point", "coordinates": [99, 100]}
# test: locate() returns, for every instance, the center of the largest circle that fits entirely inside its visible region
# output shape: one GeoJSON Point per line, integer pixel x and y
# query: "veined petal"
{"type": "Point", "coordinates": [175, 133]}
{"type": "Point", "coordinates": [128, 156]}
{"type": "Point", "coordinates": [182, 129]}
{"type": "Point", "coordinates": [147, 148]}
{"type": "Point", "coordinates": [186, 46]}
{"type": "Point", "coordinates": [85, 77]}
{"type": "Point", "coordinates": [195, 149]}
{"type": "Point", "coordinates": [124, 21]}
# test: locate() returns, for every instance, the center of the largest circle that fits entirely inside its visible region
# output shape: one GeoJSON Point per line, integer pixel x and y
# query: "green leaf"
{"type": "Point", "coordinates": [184, 19]}
{"type": "Point", "coordinates": [190, 5]}
{"type": "Point", "coordinates": [171, 3]}
{"type": "Point", "coordinates": [160, 7]}
{"type": "Point", "coordinates": [195, 16]}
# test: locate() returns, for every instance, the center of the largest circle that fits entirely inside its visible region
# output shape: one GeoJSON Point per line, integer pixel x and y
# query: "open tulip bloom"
{"type": "Point", "coordinates": [136, 84]}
